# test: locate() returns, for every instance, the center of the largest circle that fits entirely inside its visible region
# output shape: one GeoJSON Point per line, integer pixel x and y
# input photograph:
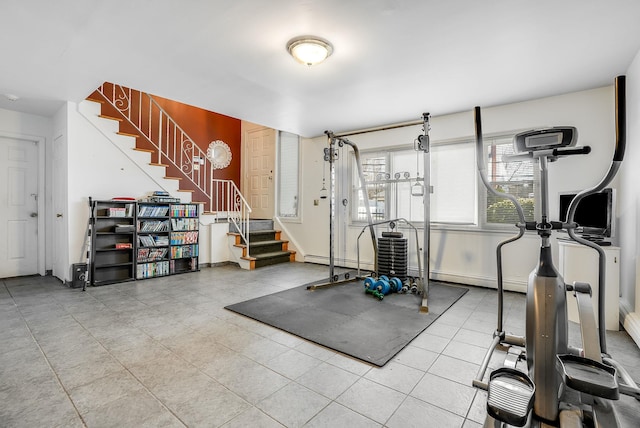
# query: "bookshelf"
{"type": "Point", "coordinates": [183, 238]}
{"type": "Point", "coordinates": [152, 252]}
{"type": "Point", "coordinates": [139, 240]}
{"type": "Point", "coordinates": [112, 241]}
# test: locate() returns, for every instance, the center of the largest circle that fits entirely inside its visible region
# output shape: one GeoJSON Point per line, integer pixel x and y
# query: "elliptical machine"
{"type": "Point", "coordinates": [562, 385]}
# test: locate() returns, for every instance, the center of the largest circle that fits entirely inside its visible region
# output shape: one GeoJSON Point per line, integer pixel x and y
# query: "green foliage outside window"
{"type": "Point", "coordinates": [503, 211]}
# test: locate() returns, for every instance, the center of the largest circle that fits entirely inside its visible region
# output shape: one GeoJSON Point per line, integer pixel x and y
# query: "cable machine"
{"type": "Point", "coordinates": [331, 155]}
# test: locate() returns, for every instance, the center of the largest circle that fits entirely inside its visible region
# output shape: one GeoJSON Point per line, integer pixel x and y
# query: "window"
{"type": "Point", "coordinates": [458, 196]}
{"type": "Point", "coordinates": [375, 171]}
{"type": "Point", "coordinates": [390, 176]}
{"type": "Point", "coordinates": [517, 178]}
{"type": "Point", "coordinates": [395, 184]}
{"type": "Point", "coordinates": [453, 177]}
{"type": "Point", "coordinates": [288, 175]}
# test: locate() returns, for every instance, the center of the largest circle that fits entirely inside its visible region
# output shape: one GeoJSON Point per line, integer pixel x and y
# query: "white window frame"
{"type": "Point", "coordinates": [290, 175]}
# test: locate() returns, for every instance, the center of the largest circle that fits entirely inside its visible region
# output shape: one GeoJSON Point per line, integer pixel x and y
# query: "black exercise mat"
{"type": "Point", "coordinates": [344, 318]}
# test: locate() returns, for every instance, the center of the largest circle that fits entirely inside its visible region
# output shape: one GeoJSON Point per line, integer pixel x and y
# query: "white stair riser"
{"type": "Point", "coordinates": [185, 197]}
{"type": "Point", "coordinates": [125, 142]}
{"type": "Point", "coordinates": [235, 254]}
{"type": "Point", "coordinates": [90, 108]}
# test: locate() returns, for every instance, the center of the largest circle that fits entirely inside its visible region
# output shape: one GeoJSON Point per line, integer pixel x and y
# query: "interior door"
{"type": "Point", "coordinates": [260, 152]}
{"type": "Point", "coordinates": [18, 207]}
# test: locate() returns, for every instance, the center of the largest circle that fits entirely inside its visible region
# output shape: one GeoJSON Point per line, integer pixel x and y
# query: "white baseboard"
{"type": "Point", "coordinates": [458, 278]}
{"type": "Point", "coordinates": [478, 281]}
{"type": "Point", "coordinates": [630, 322]}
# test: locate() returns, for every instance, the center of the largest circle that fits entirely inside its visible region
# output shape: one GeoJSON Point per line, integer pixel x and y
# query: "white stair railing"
{"type": "Point", "coordinates": [172, 143]}
{"type": "Point", "coordinates": [228, 200]}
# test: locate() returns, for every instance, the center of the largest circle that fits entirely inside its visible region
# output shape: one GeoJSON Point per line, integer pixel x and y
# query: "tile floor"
{"type": "Point", "coordinates": [165, 353]}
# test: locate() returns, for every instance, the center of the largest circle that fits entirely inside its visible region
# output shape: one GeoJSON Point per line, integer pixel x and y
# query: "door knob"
{"type": "Point", "coordinates": [34, 214]}
{"type": "Point", "coordinates": [58, 215]}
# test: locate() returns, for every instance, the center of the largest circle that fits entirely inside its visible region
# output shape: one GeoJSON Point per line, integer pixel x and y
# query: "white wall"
{"type": "Point", "coordinates": [629, 197]}
{"type": "Point", "coordinates": [463, 255]}
{"type": "Point", "coordinates": [60, 179]}
{"type": "Point", "coordinates": [36, 128]}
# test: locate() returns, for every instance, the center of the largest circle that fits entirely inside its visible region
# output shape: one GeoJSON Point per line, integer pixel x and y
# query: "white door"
{"type": "Point", "coordinates": [18, 207]}
{"type": "Point", "coordinates": [260, 151]}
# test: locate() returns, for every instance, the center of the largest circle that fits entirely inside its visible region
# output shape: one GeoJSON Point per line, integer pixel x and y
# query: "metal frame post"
{"type": "Point", "coordinates": [424, 145]}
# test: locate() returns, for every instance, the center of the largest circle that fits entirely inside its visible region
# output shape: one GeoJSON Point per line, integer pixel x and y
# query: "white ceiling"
{"type": "Point", "coordinates": [392, 60]}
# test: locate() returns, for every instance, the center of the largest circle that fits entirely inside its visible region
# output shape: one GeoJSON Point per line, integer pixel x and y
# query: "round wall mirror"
{"type": "Point", "coordinates": [219, 154]}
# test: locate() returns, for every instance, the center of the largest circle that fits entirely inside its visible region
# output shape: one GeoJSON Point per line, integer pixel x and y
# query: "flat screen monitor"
{"type": "Point", "coordinates": [594, 214]}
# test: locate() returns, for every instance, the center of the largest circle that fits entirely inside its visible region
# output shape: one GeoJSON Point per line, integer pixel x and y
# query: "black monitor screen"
{"type": "Point", "coordinates": [593, 214]}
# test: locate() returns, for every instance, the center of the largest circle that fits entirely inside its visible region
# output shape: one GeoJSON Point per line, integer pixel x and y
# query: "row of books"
{"type": "Point", "coordinates": [153, 226]}
{"type": "Point", "coordinates": [152, 211]}
{"type": "Point", "coordinates": [126, 211]}
{"type": "Point", "coordinates": [153, 240]}
{"type": "Point", "coordinates": [184, 223]}
{"type": "Point", "coordinates": [184, 211]}
{"type": "Point", "coordinates": [148, 270]}
{"type": "Point", "coordinates": [151, 254]}
{"type": "Point", "coordinates": [184, 251]}
{"type": "Point", "coordinates": [179, 238]}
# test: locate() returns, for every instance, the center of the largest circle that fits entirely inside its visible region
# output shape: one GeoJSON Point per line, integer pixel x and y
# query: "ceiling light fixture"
{"type": "Point", "coordinates": [11, 97]}
{"type": "Point", "coordinates": [309, 50]}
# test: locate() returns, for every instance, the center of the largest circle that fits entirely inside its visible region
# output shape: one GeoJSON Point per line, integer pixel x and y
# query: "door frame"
{"type": "Point", "coordinates": [42, 230]}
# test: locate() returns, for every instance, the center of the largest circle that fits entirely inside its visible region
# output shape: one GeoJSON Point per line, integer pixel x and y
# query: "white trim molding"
{"type": "Point", "coordinates": [630, 322]}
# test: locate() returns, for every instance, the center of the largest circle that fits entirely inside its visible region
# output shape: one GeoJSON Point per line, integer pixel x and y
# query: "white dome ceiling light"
{"type": "Point", "coordinates": [309, 50]}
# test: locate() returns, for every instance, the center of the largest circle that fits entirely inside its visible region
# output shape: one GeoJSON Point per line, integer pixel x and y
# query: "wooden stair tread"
{"type": "Point", "coordinates": [127, 134]}
{"type": "Point", "coordinates": [259, 243]}
{"type": "Point", "coordinates": [138, 149]}
{"type": "Point", "coordinates": [104, 116]}
{"type": "Point", "coordinates": [270, 255]}
{"type": "Point", "coordinates": [265, 243]}
{"type": "Point", "coordinates": [95, 100]}
{"type": "Point", "coordinates": [173, 178]}
{"type": "Point", "coordinates": [158, 164]}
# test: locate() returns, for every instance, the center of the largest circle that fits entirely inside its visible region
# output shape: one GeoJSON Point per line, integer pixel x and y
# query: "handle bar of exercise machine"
{"type": "Point", "coordinates": [618, 156]}
{"type": "Point", "coordinates": [555, 153]}
{"type": "Point", "coordinates": [482, 169]}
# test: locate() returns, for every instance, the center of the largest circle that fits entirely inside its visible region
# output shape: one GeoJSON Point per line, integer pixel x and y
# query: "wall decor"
{"type": "Point", "coordinates": [219, 154]}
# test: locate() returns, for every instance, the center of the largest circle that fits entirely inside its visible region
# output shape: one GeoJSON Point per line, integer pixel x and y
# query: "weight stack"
{"type": "Point", "coordinates": [392, 255]}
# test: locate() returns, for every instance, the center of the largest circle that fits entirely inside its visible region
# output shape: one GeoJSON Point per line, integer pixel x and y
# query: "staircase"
{"type": "Point", "coordinates": [144, 132]}
{"type": "Point", "coordinates": [266, 246]}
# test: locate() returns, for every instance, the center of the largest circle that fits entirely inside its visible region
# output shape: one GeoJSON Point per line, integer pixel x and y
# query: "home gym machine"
{"type": "Point", "coordinates": [561, 385]}
{"type": "Point", "coordinates": [331, 156]}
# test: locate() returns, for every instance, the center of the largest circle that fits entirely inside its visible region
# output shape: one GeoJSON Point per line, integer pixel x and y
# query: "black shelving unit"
{"type": "Point", "coordinates": [153, 228]}
{"type": "Point", "coordinates": [184, 245]}
{"type": "Point", "coordinates": [140, 240]}
{"type": "Point", "coordinates": [112, 241]}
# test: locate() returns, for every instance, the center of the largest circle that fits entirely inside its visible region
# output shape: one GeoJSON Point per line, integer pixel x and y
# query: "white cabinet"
{"type": "Point", "coordinates": [580, 263]}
